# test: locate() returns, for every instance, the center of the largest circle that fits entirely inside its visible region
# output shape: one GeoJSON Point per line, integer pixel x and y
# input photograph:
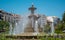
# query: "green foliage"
{"type": "Point", "coordinates": [52, 38]}
{"type": "Point", "coordinates": [59, 28]}
{"type": "Point", "coordinates": [4, 25]}
{"type": "Point", "coordinates": [63, 20]}
{"type": "Point", "coordinates": [3, 37]}
{"type": "Point", "coordinates": [47, 28]}
{"type": "Point", "coordinates": [63, 17]}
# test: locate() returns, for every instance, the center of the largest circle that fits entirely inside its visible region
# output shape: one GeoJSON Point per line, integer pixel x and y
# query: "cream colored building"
{"type": "Point", "coordinates": [9, 17]}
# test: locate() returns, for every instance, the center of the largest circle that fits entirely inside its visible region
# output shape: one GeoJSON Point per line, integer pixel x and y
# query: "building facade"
{"type": "Point", "coordinates": [9, 17]}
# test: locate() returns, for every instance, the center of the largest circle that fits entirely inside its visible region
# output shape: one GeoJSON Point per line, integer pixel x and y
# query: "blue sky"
{"type": "Point", "coordinates": [47, 7]}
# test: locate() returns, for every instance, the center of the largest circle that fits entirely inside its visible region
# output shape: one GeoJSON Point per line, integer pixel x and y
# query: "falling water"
{"type": "Point", "coordinates": [52, 28]}
{"type": "Point", "coordinates": [20, 26]}
{"type": "Point", "coordinates": [10, 32]}
{"type": "Point", "coordinates": [36, 26]}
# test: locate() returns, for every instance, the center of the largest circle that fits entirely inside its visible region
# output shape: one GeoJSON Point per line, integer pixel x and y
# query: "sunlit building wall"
{"type": "Point", "coordinates": [9, 17]}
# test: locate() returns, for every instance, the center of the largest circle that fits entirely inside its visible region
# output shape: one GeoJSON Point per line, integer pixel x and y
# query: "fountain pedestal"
{"type": "Point", "coordinates": [30, 29]}
{"type": "Point", "coordinates": [33, 25]}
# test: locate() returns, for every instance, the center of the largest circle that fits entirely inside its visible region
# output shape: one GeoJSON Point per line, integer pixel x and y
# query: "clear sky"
{"type": "Point", "coordinates": [47, 7]}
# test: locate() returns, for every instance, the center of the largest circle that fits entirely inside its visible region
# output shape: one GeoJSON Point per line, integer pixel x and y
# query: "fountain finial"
{"type": "Point", "coordinates": [32, 8]}
{"type": "Point", "coordinates": [32, 4]}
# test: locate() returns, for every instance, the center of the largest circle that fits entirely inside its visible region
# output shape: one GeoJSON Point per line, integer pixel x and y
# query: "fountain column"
{"type": "Point", "coordinates": [33, 22]}
{"type": "Point", "coordinates": [33, 18]}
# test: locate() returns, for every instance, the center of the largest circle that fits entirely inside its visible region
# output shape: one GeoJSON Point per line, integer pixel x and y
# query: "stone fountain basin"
{"type": "Point", "coordinates": [25, 35]}
{"type": "Point", "coordinates": [32, 35]}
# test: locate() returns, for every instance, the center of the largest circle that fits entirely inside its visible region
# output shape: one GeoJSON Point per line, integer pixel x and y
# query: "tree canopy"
{"type": "Point", "coordinates": [4, 25]}
{"type": "Point", "coordinates": [63, 17]}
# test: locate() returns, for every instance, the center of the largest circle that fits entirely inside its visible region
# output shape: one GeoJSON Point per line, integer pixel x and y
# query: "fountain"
{"type": "Point", "coordinates": [30, 25]}
{"type": "Point", "coordinates": [26, 23]}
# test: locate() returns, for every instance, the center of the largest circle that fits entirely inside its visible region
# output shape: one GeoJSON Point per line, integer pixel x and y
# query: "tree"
{"type": "Point", "coordinates": [58, 28]}
{"type": "Point", "coordinates": [63, 21]}
{"type": "Point", "coordinates": [61, 25]}
{"type": "Point", "coordinates": [4, 25]}
{"type": "Point", "coordinates": [47, 28]}
{"type": "Point", "coordinates": [63, 17]}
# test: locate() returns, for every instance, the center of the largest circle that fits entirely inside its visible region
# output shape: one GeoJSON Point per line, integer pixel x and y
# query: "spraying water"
{"type": "Point", "coordinates": [20, 26]}
{"type": "Point", "coordinates": [52, 28]}
{"type": "Point", "coordinates": [36, 26]}
{"type": "Point", "coordinates": [10, 32]}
